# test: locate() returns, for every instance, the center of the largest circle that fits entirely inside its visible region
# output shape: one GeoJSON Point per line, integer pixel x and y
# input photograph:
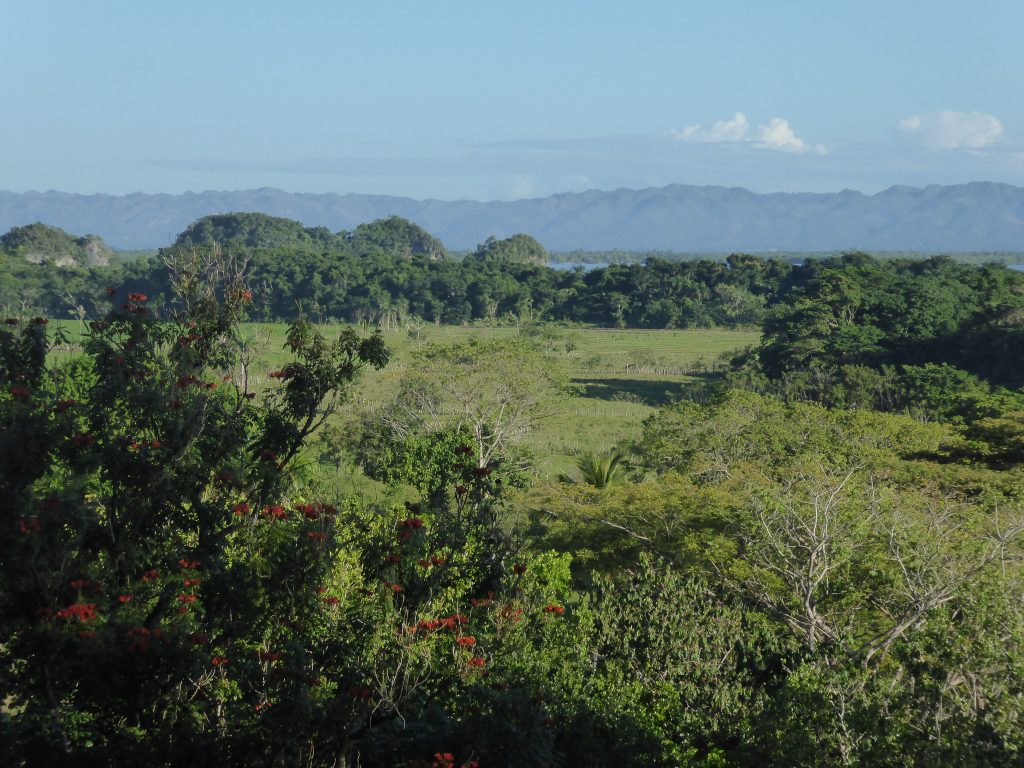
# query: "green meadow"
{"type": "Point", "coordinates": [620, 376]}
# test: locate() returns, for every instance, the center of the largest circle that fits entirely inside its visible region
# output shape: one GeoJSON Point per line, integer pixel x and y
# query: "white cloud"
{"type": "Point", "coordinates": [953, 130]}
{"type": "Point", "coordinates": [775, 134]}
{"type": "Point", "coordinates": [734, 129]}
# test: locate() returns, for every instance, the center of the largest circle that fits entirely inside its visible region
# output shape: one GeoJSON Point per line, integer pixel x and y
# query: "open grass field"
{"type": "Point", "coordinates": [622, 375]}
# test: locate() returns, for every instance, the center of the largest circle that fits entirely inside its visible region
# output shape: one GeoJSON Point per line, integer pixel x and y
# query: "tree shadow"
{"type": "Point", "coordinates": [653, 392]}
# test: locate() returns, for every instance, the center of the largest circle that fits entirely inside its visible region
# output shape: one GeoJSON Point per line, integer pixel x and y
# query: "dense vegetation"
{"type": "Point", "coordinates": [391, 271]}
{"type": "Point", "coordinates": [816, 562]}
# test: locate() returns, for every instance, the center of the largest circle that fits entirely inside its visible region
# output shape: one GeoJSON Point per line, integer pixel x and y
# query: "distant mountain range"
{"type": "Point", "coordinates": [980, 216]}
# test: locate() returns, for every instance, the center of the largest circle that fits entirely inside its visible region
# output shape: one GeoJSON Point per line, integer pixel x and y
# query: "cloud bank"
{"type": "Point", "coordinates": [953, 130]}
{"type": "Point", "coordinates": [775, 134]}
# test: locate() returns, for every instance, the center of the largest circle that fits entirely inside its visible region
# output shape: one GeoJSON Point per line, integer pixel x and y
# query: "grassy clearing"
{"type": "Point", "coordinates": [622, 376]}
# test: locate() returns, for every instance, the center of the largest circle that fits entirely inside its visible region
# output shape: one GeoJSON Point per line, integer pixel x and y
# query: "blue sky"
{"type": "Point", "coordinates": [487, 100]}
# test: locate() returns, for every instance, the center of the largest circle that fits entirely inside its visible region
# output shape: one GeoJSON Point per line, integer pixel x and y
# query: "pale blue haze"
{"type": "Point", "coordinates": [487, 100]}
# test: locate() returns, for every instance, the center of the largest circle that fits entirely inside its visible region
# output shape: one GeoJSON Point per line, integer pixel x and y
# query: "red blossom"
{"type": "Point", "coordinates": [187, 599]}
{"type": "Point", "coordinates": [476, 661]}
{"type": "Point", "coordinates": [331, 600]}
{"type": "Point", "coordinates": [152, 575]}
{"type": "Point", "coordinates": [423, 563]}
{"type": "Point", "coordinates": [555, 609]}
{"type": "Point", "coordinates": [124, 599]}
{"type": "Point", "coordinates": [466, 641]}
{"type": "Point", "coordinates": [189, 565]}
{"type": "Point", "coordinates": [320, 590]}
{"type": "Point", "coordinates": [219, 661]}
{"type": "Point", "coordinates": [316, 536]}
{"type": "Point", "coordinates": [78, 612]}
{"type": "Point", "coordinates": [192, 583]}
{"type": "Point", "coordinates": [437, 561]}
{"type": "Point", "coordinates": [137, 297]}
{"type": "Point", "coordinates": [29, 526]}
{"type": "Point", "coordinates": [276, 511]}
{"type": "Point", "coordinates": [241, 509]}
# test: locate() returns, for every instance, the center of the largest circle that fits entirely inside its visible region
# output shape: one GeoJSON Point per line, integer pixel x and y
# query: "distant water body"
{"type": "Point", "coordinates": [570, 265]}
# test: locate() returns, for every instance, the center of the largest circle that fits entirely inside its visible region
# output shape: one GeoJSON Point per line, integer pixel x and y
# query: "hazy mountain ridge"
{"type": "Point", "coordinates": [965, 217]}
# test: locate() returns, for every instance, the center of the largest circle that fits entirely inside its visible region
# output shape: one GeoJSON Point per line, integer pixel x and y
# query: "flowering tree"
{"type": "Point", "coordinates": [170, 594]}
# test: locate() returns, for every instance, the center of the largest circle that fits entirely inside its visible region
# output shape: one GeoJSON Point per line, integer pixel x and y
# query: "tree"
{"type": "Point", "coordinates": [497, 391]}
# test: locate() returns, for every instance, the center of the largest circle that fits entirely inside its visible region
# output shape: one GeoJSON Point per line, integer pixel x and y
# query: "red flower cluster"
{"type": "Point", "coordinates": [241, 509]}
{"type": "Point", "coordinates": [137, 297]}
{"type": "Point", "coordinates": [192, 583]}
{"type": "Point", "coordinates": [29, 526]}
{"type": "Point", "coordinates": [122, 599]}
{"type": "Point", "coordinates": [511, 613]}
{"type": "Point", "coordinates": [393, 587]}
{"type": "Point", "coordinates": [482, 602]}
{"type": "Point", "coordinates": [476, 661]}
{"type": "Point", "coordinates": [189, 565]}
{"type": "Point", "coordinates": [453, 622]}
{"type": "Point", "coordinates": [152, 575]}
{"type": "Point", "coordinates": [405, 529]}
{"type": "Point", "coordinates": [331, 600]}
{"type": "Point", "coordinates": [78, 612]}
{"type": "Point", "coordinates": [275, 512]}
{"type": "Point", "coordinates": [316, 536]}
{"type": "Point", "coordinates": [186, 599]}
{"type": "Point", "coordinates": [555, 609]}
{"type": "Point", "coordinates": [219, 661]}
{"type": "Point", "coordinates": [466, 641]}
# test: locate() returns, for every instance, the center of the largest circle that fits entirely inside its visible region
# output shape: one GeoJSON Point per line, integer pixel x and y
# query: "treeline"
{"type": "Point", "coordinates": [934, 338]}
{"type": "Point", "coordinates": [392, 271]}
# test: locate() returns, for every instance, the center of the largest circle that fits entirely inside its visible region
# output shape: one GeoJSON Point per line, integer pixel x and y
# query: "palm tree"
{"type": "Point", "coordinates": [599, 471]}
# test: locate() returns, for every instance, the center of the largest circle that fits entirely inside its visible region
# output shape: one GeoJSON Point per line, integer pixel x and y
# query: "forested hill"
{"type": "Point", "coordinates": [967, 217]}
